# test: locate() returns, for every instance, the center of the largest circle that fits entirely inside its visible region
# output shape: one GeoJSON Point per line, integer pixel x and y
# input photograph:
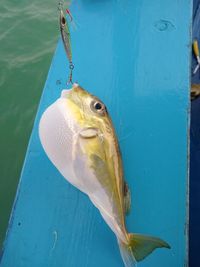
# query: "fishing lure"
{"type": "Point", "coordinates": [65, 34]}
{"type": "Point", "coordinates": [78, 136]}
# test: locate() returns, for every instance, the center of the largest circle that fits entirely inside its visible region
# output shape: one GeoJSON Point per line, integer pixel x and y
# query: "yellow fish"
{"type": "Point", "coordinates": [77, 134]}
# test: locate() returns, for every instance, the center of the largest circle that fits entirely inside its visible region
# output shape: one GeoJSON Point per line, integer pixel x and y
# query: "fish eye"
{"type": "Point", "coordinates": [63, 21]}
{"type": "Point", "coordinates": [98, 107]}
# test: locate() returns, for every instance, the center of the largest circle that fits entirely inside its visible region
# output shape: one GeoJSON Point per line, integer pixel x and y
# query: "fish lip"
{"type": "Point", "coordinates": [65, 92]}
{"type": "Point", "coordinates": [75, 85]}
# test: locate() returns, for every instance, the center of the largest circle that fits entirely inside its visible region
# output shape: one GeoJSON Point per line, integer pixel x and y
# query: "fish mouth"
{"type": "Point", "coordinates": [66, 92]}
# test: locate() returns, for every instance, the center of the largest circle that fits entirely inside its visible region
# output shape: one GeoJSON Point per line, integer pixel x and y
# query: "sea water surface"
{"type": "Point", "coordinates": [28, 35]}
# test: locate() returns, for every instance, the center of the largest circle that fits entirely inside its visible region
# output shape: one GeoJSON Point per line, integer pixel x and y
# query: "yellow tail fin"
{"type": "Point", "coordinates": [139, 247]}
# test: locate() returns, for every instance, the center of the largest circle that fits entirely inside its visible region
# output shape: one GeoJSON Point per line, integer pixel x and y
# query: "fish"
{"type": "Point", "coordinates": [78, 136]}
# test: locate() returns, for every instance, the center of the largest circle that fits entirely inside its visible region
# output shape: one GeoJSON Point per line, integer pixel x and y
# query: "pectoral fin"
{"type": "Point", "coordinates": [89, 132]}
{"type": "Point", "coordinates": [127, 198]}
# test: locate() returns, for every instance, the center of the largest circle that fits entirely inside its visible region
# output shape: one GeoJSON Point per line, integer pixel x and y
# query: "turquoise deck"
{"type": "Point", "coordinates": [135, 56]}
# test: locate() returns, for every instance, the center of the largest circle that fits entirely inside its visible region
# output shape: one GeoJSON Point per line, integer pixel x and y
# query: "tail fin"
{"type": "Point", "coordinates": [127, 255]}
{"type": "Point", "coordinates": [139, 247]}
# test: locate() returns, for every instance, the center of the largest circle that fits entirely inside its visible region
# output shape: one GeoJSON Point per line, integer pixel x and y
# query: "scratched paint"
{"type": "Point", "coordinates": [164, 25]}
{"type": "Point", "coordinates": [142, 75]}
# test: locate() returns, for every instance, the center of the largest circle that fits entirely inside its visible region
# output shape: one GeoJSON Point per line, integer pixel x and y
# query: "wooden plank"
{"type": "Point", "coordinates": [135, 56]}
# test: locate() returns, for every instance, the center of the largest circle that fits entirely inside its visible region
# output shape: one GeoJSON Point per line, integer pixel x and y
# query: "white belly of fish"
{"type": "Point", "coordinates": [56, 131]}
{"type": "Point", "coordinates": [59, 137]}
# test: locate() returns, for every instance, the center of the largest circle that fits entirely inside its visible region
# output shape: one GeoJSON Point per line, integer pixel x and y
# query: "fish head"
{"type": "Point", "coordinates": [87, 110]}
{"type": "Point", "coordinates": [76, 113]}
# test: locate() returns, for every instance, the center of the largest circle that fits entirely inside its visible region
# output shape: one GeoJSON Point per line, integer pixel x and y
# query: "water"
{"type": "Point", "coordinates": [28, 37]}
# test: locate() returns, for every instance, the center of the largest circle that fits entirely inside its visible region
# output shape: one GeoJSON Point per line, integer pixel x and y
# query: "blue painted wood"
{"type": "Point", "coordinates": [135, 56]}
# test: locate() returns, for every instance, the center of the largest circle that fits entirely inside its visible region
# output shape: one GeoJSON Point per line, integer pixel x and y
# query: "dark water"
{"type": "Point", "coordinates": [28, 37]}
